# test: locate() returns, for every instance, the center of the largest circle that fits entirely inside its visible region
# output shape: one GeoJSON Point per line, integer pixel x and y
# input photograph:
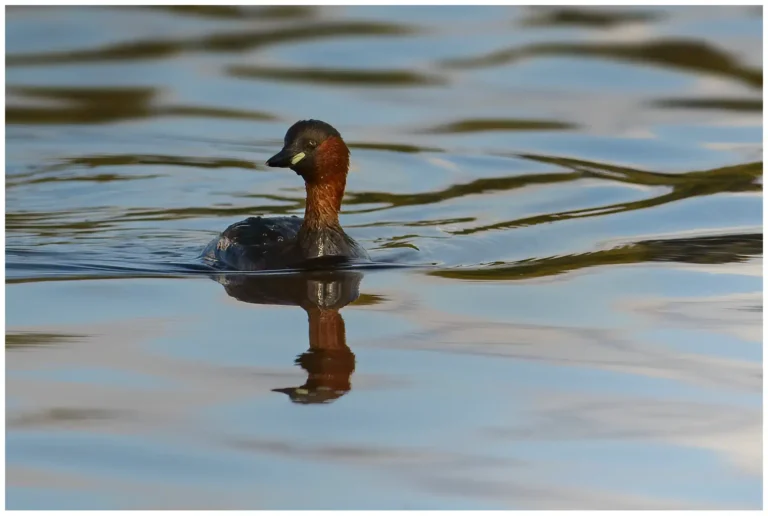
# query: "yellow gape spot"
{"type": "Point", "coordinates": [298, 157]}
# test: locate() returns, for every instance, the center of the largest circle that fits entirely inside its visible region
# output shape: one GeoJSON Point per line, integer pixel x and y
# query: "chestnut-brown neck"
{"type": "Point", "coordinates": [325, 187]}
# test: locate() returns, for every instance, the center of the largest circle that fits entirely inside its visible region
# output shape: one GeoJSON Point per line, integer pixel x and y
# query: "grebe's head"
{"type": "Point", "coordinates": [314, 150]}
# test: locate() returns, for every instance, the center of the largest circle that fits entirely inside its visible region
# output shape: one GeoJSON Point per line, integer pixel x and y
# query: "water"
{"type": "Point", "coordinates": [573, 198]}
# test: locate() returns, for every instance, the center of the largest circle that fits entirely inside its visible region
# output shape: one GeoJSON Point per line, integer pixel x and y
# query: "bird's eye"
{"type": "Point", "coordinates": [312, 144]}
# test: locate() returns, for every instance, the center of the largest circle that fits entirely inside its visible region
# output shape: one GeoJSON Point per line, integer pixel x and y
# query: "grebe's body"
{"type": "Point", "coordinates": [264, 243]}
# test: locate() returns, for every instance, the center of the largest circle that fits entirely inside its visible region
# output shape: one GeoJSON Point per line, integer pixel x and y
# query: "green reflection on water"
{"type": "Point", "coordinates": [702, 250]}
{"type": "Point", "coordinates": [680, 54]}
{"type": "Point", "coordinates": [711, 103]}
{"type": "Point", "coordinates": [379, 78]}
{"type": "Point", "coordinates": [508, 124]}
{"type": "Point", "coordinates": [230, 41]}
{"type": "Point", "coordinates": [599, 18]}
{"type": "Point", "coordinates": [32, 339]}
{"type": "Point", "coordinates": [105, 105]}
{"type": "Point", "coordinates": [738, 178]}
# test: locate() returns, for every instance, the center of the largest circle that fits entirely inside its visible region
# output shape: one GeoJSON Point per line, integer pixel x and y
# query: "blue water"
{"type": "Point", "coordinates": [573, 197]}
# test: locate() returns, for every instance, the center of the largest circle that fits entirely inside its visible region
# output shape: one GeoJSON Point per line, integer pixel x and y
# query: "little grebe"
{"type": "Point", "coordinates": [316, 152]}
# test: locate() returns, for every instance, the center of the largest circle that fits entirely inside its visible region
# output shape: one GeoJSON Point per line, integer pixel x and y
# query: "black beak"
{"type": "Point", "coordinates": [285, 390]}
{"type": "Point", "coordinates": [282, 159]}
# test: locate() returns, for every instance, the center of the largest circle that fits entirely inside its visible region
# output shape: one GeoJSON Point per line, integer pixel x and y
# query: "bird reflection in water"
{"type": "Point", "coordinates": [329, 362]}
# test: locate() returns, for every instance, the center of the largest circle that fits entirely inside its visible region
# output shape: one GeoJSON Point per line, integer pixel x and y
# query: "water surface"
{"type": "Point", "coordinates": [574, 195]}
